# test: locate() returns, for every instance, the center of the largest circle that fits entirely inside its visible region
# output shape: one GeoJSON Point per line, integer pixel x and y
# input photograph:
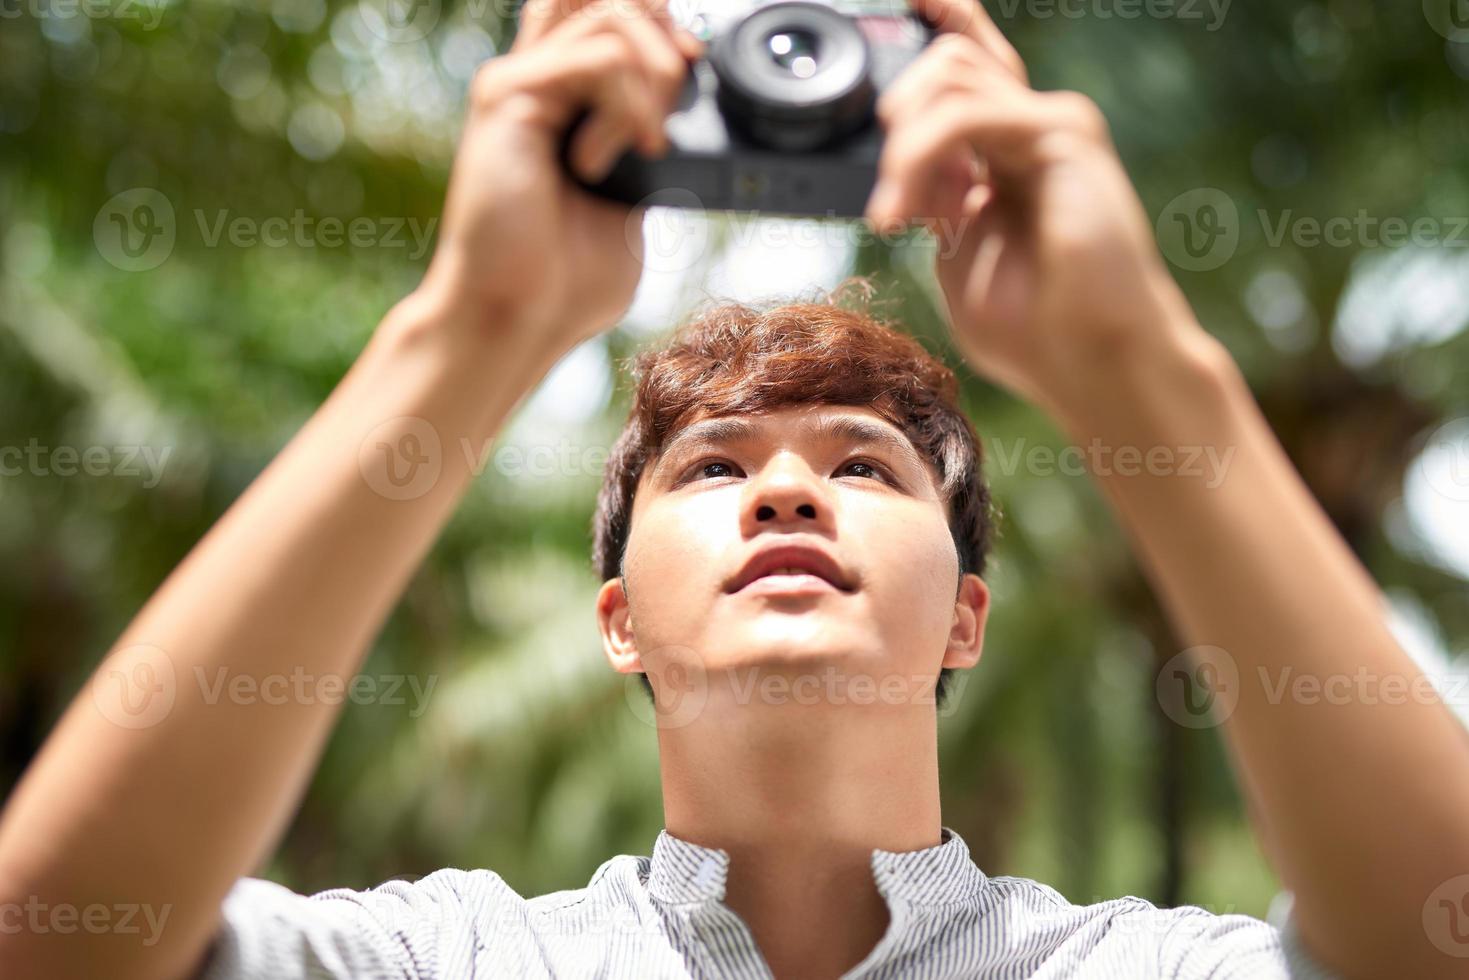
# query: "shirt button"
{"type": "Point", "coordinates": [708, 872]}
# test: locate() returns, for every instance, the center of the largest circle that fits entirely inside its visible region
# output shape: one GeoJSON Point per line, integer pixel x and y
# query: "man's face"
{"type": "Point", "coordinates": [838, 481]}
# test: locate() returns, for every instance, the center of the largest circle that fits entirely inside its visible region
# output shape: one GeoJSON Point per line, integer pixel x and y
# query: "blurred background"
{"type": "Point", "coordinates": [206, 206]}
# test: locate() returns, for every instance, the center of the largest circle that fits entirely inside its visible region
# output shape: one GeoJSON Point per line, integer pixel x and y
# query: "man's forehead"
{"type": "Point", "coordinates": [820, 419]}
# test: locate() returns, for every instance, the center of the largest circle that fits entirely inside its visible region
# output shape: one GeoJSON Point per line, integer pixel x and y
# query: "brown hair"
{"type": "Point", "coordinates": [734, 359]}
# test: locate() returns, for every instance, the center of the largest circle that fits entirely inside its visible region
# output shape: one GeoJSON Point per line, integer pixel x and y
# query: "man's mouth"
{"type": "Point", "coordinates": [789, 582]}
{"type": "Point", "coordinates": [791, 569]}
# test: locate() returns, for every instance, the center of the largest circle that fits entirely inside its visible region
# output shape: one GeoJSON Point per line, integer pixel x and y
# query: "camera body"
{"type": "Point", "coordinates": [778, 115]}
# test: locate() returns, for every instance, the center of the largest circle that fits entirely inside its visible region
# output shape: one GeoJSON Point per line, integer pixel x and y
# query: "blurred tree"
{"type": "Point", "coordinates": [264, 130]}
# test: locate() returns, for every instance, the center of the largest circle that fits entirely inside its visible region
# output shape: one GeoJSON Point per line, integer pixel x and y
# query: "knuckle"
{"type": "Point", "coordinates": [609, 52]}
{"type": "Point", "coordinates": [487, 87]}
{"type": "Point", "coordinates": [1080, 114]}
{"type": "Point", "coordinates": [955, 49]}
{"type": "Point", "coordinates": [670, 73]}
{"type": "Point", "coordinates": [1015, 64]}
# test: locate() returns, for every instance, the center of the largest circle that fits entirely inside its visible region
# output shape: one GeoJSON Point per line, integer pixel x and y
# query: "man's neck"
{"type": "Point", "coordinates": [800, 796]}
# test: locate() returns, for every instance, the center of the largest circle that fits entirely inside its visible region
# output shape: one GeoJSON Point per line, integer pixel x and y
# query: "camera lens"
{"type": "Point", "coordinates": [795, 51]}
{"type": "Point", "coordinates": [793, 76]}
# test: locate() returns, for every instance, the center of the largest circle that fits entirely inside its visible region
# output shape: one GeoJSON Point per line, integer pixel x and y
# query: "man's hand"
{"type": "Point", "coordinates": [1050, 260]}
{"type": "Point", "coordinates": [1055, 289]}
{"type": "Point", "coordinates": [522, 247]}
{"type": "Point", "coordinates": [303, 569]}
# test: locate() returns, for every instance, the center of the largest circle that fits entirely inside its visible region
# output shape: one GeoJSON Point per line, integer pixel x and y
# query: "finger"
{"type": "Point", "coordinates": [655, 49]}
{"type": "Point", "coordinates": [600, 74]}
{"type": "Point", "coordinates": [664, 64]}
{"type": "Point", "coordinates": [969, 18]}
{"type": "Point", "coordinates": [610, 128]}
{"type": "Point", "coordinates": [688, 45]}
{"type": "Point", "coordinates": [624, 112]}
{"type": "Point", "coordinates": [539, 17]}
{"type": "Point", "coordinates": [943, 207]}
{"type": "Point", "coordinates": [1006, 130]}
{"type": "Point", "coordinates": [952, 62]}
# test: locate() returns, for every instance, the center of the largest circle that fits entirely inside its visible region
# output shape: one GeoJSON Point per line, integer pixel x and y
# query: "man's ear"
{"type": "Point", "coordinates": [966, 636]}
{"type": "Point", "coordinates": [614, 621]}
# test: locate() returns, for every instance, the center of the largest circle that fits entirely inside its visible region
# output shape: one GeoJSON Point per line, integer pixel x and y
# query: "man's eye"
{"type": "Point", "coordinates": [702, 470]}
{"type": "Point", "coordinates": [868, 469]}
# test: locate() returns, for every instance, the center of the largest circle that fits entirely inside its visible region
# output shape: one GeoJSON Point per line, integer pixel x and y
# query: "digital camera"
{"type": "Point", "coordinates": [778, 114]}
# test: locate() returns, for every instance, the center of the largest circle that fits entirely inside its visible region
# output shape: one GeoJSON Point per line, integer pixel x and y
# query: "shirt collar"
{"type": "Point", "coordinates": [681, 872]}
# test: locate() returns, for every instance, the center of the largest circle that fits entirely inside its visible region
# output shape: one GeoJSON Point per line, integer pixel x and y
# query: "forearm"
{"type": "Point", "coordinates": [165, 808]}
{"type": "Point", "coordinates": [1364, 793]}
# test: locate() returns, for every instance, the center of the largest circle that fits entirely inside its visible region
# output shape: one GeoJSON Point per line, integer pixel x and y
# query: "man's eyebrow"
{"type": "Point", "coordinates": [825, 428]}
{"type": "Point", "coordinates": [713, 432]}
{"type": "Point", "coordinates": [854, 428]}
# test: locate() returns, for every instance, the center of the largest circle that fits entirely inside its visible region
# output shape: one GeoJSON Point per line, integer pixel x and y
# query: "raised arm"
{"type": "Point", "coordinates": [157, 790]}
{"type": "Point", "coordinates": [1055, 288]}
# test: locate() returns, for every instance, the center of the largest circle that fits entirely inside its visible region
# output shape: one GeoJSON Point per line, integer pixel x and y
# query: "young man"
{"type": "Point", "coordinates": [803, 836]}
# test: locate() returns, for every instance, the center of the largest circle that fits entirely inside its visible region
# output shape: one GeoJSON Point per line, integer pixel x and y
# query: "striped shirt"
{"type": "Point", "coordinates": [664, 917]}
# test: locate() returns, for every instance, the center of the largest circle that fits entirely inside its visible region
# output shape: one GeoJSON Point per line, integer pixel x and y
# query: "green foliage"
{"type": "Point", "coordinates": [530, 758]}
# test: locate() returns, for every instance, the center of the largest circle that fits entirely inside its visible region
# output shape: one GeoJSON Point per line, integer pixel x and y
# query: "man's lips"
{"type": "Point", "coordinates": [791, 568]}
{"type": "Point", "coordinates": [799, 584]}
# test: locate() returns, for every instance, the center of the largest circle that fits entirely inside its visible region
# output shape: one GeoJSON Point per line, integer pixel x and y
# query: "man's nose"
{"type": "Point", "coordinates": [787, 493]}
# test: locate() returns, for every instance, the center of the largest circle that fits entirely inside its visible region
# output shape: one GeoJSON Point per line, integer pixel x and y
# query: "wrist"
{"type": "Point", "coordinates": [1173, 380]}
{"type": "Point", "coordinates": [441, 307]}
{"type": "Point", "coordinates": [469, 368]}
